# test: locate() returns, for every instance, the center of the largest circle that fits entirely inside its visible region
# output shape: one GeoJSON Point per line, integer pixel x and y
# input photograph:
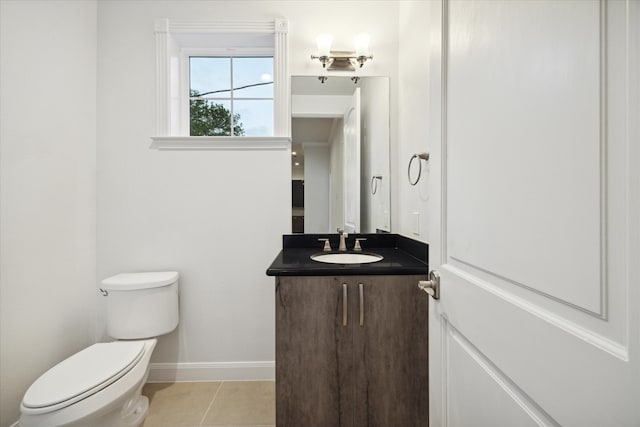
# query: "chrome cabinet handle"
{"type": "Point", "coordinates": [361, 289]}
{"type": "Point", "coordinates": [431, 286]}
{"type": "Point", "coordinates": [344, 304]}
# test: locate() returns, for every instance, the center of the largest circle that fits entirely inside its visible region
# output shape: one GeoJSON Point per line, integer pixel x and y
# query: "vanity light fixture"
{"type": "Point", "coordinates": [341, 60]}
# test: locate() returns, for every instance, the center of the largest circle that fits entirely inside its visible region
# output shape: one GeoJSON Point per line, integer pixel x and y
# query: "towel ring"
{"type": "Point", "coordinates": [374, 183]}
{"type": "Point", "coordinates": [419, 156]}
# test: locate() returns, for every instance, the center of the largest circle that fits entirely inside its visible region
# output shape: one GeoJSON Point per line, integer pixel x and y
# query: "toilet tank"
{"type": "Point", "coordinates": [141, 305]}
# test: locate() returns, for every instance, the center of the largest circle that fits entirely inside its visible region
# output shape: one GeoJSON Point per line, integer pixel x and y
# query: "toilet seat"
{"type": "Point", "coordinates": [81, 375]}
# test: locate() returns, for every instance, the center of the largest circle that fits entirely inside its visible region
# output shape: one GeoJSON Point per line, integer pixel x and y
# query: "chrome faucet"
{"type": "Point", "coordinates": [343, 244]}
{"type": "Point", "coordinates": [357, 247]}
{"type": "Point", "coordinates": [327, 245]}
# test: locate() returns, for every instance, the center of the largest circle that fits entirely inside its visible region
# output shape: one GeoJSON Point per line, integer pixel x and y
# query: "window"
{"type": "Point", "coordinates": [233, 71]}
{"type": "Point", "coordinates": [231, 96]}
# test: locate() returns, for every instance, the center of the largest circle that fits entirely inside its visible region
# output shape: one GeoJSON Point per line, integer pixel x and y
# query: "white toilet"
{"type": "Point", "coordinates": [101, 385]}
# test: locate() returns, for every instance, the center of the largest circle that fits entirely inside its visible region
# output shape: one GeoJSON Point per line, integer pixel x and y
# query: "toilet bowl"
{"type": "Point", "coordinates": [101, 385]}
{"type": "Point", "coordinates": [96, 387]}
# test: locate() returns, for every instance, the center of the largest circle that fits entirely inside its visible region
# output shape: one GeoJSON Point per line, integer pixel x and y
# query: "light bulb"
{"type": "Point", "coordinates": [361, 43]}
{"type": "Point", "coordinates": [324, 44]}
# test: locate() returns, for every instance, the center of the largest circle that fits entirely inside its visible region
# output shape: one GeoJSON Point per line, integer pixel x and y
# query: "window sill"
{"type": "Point", "coordinates": [220, 143]}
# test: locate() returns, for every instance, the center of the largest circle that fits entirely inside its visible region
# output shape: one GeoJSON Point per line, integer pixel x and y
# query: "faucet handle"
{"type": "Point", "coordinates": [357, 246]}
{"type": "Point", "coordinates": [327, 245]}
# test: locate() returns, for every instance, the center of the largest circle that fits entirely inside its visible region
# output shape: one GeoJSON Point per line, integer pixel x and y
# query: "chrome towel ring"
{"type": "Point", "coordinates": [374, 183]}
{"type": "Point", "coordinates": [419, 156]}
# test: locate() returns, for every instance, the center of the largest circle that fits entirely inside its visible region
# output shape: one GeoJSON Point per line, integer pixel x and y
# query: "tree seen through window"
{"type": "Point", "coordinates": [211, 119]}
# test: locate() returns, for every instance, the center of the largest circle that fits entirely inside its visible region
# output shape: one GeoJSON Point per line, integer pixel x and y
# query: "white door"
{"type": "Point", "coordinates": [536, 228]}
{"type": "Point", "coordinates": [351, 165]}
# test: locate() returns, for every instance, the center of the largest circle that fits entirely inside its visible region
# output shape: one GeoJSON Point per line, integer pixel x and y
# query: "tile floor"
{"type": "Point", "coordinates": [224, 403]}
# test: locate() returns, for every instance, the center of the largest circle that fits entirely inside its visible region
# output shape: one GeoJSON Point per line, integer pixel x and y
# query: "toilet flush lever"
{"type": "Point", "coordinates": [431, 286]}
{"type": "Point", "coordinates": [104, 293]}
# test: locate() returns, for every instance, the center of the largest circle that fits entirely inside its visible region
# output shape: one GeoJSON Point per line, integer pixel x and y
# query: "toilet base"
{"type": "Point", "coordinates": [135, 411]}
{"type": "Point", "coordinates": [132, 414]}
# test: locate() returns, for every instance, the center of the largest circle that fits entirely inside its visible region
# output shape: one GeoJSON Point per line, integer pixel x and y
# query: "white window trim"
{"type": "Point", "coordinates": [169, 139]}
{"type": "Point", "coordinates": [221, 143]}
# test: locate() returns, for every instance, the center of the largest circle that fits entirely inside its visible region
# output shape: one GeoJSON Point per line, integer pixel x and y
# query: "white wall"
{"type": "Point", "coordinates": [375, 160]}
{"type": "Point", "coordinates": [412, 118]}
{"type": "Point", "coordinates": [316, 187]}
{"type": "Point", "coordinates": [47, 189]}
{"type": "Point", "coordinates": [319, 105]}
{"type": "Point", "coordinates": [217, 217]}
{"type": "Point", "coordinates": [297, 174]}
{"type": "Point", "coordinates": [214, 216]}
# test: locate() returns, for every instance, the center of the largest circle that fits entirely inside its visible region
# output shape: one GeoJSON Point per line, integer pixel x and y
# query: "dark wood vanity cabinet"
{"type": "Point", "coordinates": [355, 361]}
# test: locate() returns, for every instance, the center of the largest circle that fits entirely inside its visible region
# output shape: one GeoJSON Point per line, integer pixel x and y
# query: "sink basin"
{"type": "Point", "coordinates": [347, 258]}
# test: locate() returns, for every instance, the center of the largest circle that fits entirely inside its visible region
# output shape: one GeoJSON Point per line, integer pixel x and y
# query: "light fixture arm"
{"type": "Point", "coordinates": [324, 59]}
{"type": "Point", "coordinates": [341, 60]}
{"type": "Point", "coordinates": [362, 59]}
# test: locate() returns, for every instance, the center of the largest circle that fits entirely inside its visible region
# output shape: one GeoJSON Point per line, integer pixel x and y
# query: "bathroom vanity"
{"type": "Point", "coordinates": [351, 339]}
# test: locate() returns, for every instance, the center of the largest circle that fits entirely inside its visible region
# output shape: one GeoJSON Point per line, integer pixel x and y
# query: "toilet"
{"type": "Point", "coordinates": [101, 385]}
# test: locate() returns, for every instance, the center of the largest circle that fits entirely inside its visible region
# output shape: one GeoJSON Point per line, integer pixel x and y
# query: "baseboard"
{"type": "Point", "coordinates": [213, 371]}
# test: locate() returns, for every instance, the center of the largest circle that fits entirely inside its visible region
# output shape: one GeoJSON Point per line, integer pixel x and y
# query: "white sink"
{"type": "Point", "coordinates": [349, 258]}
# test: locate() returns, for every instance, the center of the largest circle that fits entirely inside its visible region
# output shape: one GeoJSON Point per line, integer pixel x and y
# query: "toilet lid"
{"type": "Point", "coordinates": [84, 373]}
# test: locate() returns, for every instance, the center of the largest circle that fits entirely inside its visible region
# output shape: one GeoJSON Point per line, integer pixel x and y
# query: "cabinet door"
{"type": "Point", "coordinates": [314, 352]}
{"type": "Point", "coordinates": [391, 353]}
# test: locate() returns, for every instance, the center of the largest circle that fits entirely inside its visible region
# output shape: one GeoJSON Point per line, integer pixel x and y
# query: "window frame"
{"type": "Point", "coordinates": [187, 53]}
{"type": "Point", "coordinates": [170, 36]}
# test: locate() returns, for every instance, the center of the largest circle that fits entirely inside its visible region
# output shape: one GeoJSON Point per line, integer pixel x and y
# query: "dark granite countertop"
{"type": "Point", "coordinates": [402, 256]}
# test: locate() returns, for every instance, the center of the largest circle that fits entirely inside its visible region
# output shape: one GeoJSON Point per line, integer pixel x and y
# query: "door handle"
{"type": "Point", "coordinates": [344, 305]}
{"type": "Point", "coordinates": [431, 286]}
{"type": "Point", "coordinates": [361, 289]}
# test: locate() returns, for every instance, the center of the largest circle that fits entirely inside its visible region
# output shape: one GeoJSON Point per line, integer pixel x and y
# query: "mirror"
{"type": "Point", "coordinates": [340, 154]}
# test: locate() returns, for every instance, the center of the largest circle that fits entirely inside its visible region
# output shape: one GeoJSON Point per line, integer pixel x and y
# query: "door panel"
{"type": "Point", "coordinates": [391, 352]}
{"type": "Point", "coordinates": [536, 79]}
{"type": "Point", "coordinates": [479, 387]}
{"type": "Point", "coordinates": [536, 232]}
{"type": "Point", "coordinates": [308, 382]}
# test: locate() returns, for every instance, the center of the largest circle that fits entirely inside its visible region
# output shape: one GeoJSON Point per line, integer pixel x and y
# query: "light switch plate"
{"type": "Point", "coordinates": [416, 223]}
